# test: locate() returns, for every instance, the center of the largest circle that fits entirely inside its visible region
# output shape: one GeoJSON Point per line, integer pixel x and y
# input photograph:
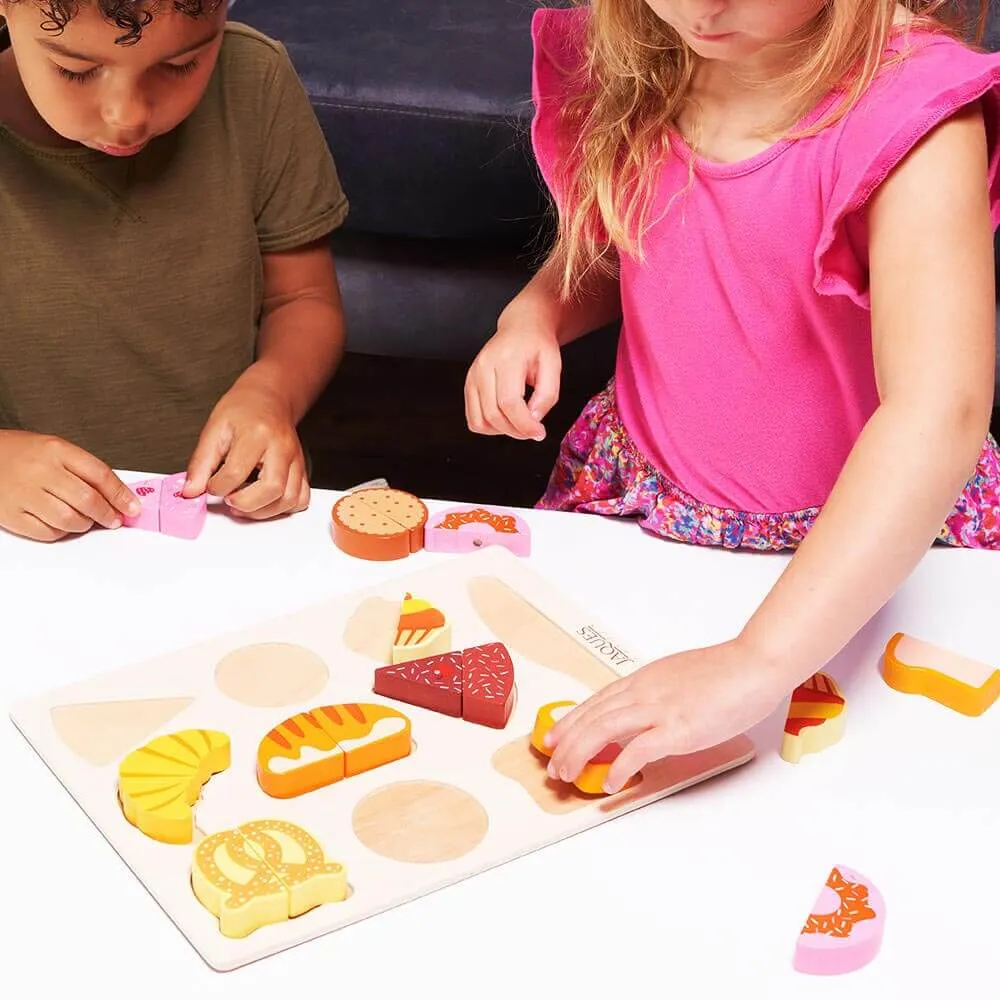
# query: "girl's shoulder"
{"type": "Point", "coordinates": [927, 78]}
{"type": "Point", "coordinates": [559, 37]}
{"type": "Point", "coordinates": [927, 71]}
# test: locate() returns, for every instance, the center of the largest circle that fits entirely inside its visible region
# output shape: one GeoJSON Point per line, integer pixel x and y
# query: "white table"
{"type": "Point", "coordinates": [699, 896]}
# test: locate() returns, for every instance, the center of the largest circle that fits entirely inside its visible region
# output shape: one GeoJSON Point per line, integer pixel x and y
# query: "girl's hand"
{"type": "Point", "coordinates": [50, 488]}
{"type": "Point", "coordinates": [517, 356]}
{"type": "Point", "coordinates": [250, 430]}
{"type": "Point", "coordinates": [674, 706]}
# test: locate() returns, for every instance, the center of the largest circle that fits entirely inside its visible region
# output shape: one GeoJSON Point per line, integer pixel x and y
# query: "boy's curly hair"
{"type": "Point", "coordinates": [129, 15]}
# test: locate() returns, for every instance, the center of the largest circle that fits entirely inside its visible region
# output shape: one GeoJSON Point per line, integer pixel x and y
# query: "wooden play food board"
{"type": "Point", "coordinates": [429, 799]}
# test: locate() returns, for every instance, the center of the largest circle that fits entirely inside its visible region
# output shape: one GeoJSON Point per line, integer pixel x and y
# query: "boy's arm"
{"type": "Point", "coordinates": [933, 311]}
{"type": "Point", "coordinates": [299, 346]}
{"type": "Point", "coordinates": [301, 338]}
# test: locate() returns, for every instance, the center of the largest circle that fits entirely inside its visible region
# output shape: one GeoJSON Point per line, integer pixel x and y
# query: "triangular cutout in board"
{"type": "Point", "coordinates": [103, 731]}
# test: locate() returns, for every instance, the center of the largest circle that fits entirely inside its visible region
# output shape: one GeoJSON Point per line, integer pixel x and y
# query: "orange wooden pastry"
{"type": "Point", "coordinates": [379, 524]}
{"type": "Point", "coordinates": [595, 772]}
{"type": "Point", "coordinates": [913, 666]}
{"type": "Point", "coordinates": [342, 740]}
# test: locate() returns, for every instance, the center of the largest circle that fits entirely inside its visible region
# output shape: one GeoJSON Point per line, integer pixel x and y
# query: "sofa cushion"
{"type": "Point", "coordinates": [426, 105]}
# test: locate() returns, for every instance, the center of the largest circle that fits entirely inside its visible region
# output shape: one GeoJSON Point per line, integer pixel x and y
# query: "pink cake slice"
{"type": "Point", "coordinates": [844, 930]}
{"type": "Point", "coordinates": [179, 516]}
{"type": "Point", "coordinates": [459, 530]}
{"type": "Point", "coordinates": [148, 518]}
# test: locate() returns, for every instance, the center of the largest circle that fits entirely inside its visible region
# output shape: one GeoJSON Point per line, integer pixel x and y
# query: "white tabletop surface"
{"type": "Point", "coordinates": [698, 896]}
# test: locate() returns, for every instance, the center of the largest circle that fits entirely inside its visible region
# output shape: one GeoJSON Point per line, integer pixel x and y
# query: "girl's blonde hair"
{"type": "Point", "coordinates": [633, 85]}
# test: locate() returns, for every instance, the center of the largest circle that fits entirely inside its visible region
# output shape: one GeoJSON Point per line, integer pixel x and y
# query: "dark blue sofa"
{"type": "Point", "coordinates": [426, 104]}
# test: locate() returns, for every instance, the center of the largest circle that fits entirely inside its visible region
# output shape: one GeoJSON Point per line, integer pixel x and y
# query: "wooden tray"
{"type": "Point", "coordinates": [466, 799]}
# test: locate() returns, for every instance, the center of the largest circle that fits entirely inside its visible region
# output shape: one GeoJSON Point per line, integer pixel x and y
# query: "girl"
{"type": "Point", "coordinates": [168, 295]}
{"type": "Point", "coordinates": [790, 206]}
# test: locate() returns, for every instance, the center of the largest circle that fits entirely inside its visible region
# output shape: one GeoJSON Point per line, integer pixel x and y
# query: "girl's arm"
{"type": "Point", "coordinates": [540, 306]}
{"type": "Point", "coordinates": [933, 314]}
{"type": "Point", "coordinates": [525, 350]}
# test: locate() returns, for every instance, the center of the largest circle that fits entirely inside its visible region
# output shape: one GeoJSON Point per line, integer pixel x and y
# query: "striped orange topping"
{"type": "Point", "coordinates": [813, 702]}
{"type": "Point", "coordinates": [340, 739]}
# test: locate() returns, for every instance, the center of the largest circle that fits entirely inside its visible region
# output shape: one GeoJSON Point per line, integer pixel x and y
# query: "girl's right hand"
{"type": "Point", "coordinates": [51, 488]}
{"type": "Point", "coordinates": [514, 358]}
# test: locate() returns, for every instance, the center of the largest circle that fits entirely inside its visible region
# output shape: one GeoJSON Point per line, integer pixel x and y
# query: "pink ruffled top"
{"type": "Point", "coordinates": [745, 370]}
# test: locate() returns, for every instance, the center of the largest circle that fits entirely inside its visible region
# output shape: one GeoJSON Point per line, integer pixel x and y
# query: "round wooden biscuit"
{"type": "Point", "coordinates": [379, 524]}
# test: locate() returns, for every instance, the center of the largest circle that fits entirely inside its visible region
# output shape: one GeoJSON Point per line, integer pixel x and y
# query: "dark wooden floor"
{"type": "Point", "coordinates": [404, 420]}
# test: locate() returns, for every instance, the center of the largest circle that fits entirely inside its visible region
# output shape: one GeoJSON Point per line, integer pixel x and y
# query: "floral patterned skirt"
{"type": "Point", "coordinates": [600, 471]}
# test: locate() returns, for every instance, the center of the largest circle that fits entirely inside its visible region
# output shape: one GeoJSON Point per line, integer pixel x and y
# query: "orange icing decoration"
{"type": "Point", "coordinates": [498, 522]}
{"type": "Point", "coordinates": [853, 909]}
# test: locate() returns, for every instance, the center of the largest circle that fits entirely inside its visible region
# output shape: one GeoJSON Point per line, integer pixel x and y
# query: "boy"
{"type": "Point", "coordinates": [169, 300]}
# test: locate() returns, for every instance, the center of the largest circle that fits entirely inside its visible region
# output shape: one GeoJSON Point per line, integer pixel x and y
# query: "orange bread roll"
{"type": "Point", "coordinates": [327, 744]}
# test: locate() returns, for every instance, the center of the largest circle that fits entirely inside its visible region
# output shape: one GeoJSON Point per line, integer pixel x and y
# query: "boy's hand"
{"type": "Point", "coordinates": [250, 430]}
{"type": "Point", "coordinates": [51, 488]}
{"type": "Point", "coordinates": [514, 358]}
{"type": "Point", "coordinates": [673, 706]}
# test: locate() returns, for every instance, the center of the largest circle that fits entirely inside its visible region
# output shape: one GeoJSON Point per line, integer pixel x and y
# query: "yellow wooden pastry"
{"type": "Point", "coordinates": [422, 631]}
{"type": "Point", "coordinates": [952, 680]}
{"type": "Point", "coordinates": [262, 873]}
{"type": "Point", "coordinates": [297, 860]}
{"type": "Point", "coordinates": [159, 783]}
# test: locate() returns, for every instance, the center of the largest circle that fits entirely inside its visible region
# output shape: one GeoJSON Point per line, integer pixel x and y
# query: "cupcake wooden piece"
{"type": "Point", "coordinates": [422, 630]}
{"type": "Point", "coordinates": [379, 524]}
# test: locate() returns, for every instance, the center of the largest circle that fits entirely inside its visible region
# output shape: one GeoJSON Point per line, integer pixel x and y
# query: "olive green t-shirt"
{"type": "Point", "coordinates": [131, 289]}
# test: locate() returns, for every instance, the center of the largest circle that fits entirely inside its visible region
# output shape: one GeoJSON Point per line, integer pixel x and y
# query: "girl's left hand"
{"type": "Point", "coordinates": [673, 706]}
{"type": "Point", "coordinates": [251, 429]}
